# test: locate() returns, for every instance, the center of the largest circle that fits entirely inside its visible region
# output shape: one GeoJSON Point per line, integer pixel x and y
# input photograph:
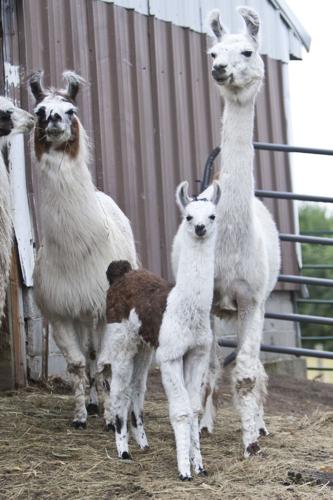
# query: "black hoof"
{"type": "Point", "coordinates": [79, 425]}
{"type": "Point", "coordinates": [263, 432]}
{"type": "Point", "coordinates": [185, 478]}
{"type": "Point", "coordinates": [109, 427]}
{"type": "Point", "coordinates": [253, 448]}
{"type": "Point", "coordinates": [202, 472]}
{"type": "Point", "coordinates": [126, 456]}
{"type": "Point", "coordinates": [92, 409]}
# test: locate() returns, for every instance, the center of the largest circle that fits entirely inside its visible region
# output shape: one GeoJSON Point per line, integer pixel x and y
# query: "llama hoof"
{"type": "Point", "coordinates": [252, 449]}
{"type": "Point", "coordinates": [185, 477]}
{"type": "Point", "coordinates": [92, 409]}
{"type": "Point", "coordinates": [263, 432]}
{"type": "Point", "coordinates": [126, 456]}
{"type": "Point", "coordinates": [79, 425]}
{"type": "Point", "coordinates": [109, 427]}
{"type": "Point", "coordinates": [202, 472]}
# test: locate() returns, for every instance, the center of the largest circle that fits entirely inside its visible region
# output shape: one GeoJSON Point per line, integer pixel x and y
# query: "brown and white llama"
{"type": "Point", "coordinates": [13, 120]}
{"type": "Point", "coordinates": [83, 230]}
{"type": "Point", "coordinates": [144, 312]}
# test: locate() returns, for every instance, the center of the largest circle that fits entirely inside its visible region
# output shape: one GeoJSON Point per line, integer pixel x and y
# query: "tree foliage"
{"type": "Point", "coordinates": [314, 220]}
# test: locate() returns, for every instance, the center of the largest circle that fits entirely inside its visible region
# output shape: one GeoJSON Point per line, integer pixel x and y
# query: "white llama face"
{"type": "Point", "coordinates": [13, 120]}
{"type": "Point", "coordinates": [56, 115]}
{"type": "Point", "coordinates": [237, 66]}
{"type": "Point", "coordinates": [199, 214]}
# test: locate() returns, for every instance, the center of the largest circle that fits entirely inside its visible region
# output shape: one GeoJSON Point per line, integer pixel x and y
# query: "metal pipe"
{"type": "Point", "coordinates": [306, 239]}
{"type": "Point", "coordinates": [305, 280]}
{"type": "Point", "coordinates": [321, 337]}
{"type": "Point", "coordinates": [317, 266]}
{"type": "Point", "coordinates": [314, 301]}
{"type": "Point", "coordinates": [295, 351]}
{"type": "Point", "coordinates": [302, 318]}
{"type": "Point", "coordinates": [285, 195]}
{"type": "Point", "coordinates": [286, 148]}
{"type": "Point", "coordinates": [209, 168]}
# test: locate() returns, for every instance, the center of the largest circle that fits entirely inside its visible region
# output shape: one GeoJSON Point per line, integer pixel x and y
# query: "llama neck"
{"type": "Point", "coordinates": [236, 177]}
{"type": "Point", "coordinates": [195, 275]}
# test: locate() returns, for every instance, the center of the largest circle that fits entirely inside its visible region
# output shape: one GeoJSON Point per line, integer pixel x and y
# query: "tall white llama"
{"type": "Point", "coordinates": [247, 258]}
{"type": "Point", "coordinates": [13, 120]}
{"type": "Point", "coordinates": [83, 230]}
{"type": "Point", "coordinates": [143, 312]}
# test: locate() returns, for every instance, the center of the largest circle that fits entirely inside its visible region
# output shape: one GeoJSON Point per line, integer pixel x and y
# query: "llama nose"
{"type": "Point", "coordinates": [219, 71]}
{"type": "Point", "coordinates": [200, 230]}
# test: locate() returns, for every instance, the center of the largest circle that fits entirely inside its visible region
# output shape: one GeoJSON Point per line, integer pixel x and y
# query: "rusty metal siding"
{"type": "Point", "coordinates": [151, 110]}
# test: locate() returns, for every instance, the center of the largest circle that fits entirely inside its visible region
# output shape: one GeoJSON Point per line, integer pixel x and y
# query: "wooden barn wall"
{"type": "Point", "coordinates": [151, 110]}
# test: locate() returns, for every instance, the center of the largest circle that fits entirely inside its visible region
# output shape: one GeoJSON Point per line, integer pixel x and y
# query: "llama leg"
{"type": "Point", "coordinates": [142, 363]}
{"type": "Point", "coordinates": [245, 375]}
{"type": "Point", "coordinates": [210, 387]}
{"type": "Point", "coordinates": [261, 396]}
{"type": "Point", "coordinates": [96, 379]}
{"type": "Point", "coordinates": [119, 347]}
{"type": "Point", "coordinates": [180, 413]}
{"type": "Point", "coordinates": [66, 339]}
{"type": "Point", "coordinates": [195, 366]}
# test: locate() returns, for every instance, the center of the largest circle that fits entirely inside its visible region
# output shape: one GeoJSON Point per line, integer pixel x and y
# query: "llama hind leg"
{"type": "Point", "coordinates": [142, 363]}
{"type": "Point", "coordinates": [180, 413]}
{"type": "Point", "coordinates": [247, 378]}
{"type": "Point", "coordinates": [209, 389]}
{"type": "Point", "coordinates": [195, 366]}
{"type": "Point", "coordinates": [261, 391]}
{"type": "Point", "coordinates": [66, 339]}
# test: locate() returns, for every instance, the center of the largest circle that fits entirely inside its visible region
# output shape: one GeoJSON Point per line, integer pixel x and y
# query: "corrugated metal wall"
{"type": "Point", "coordinates": [150, 108]}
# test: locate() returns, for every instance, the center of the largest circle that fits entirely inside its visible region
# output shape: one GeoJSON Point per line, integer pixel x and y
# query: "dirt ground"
{"type": "Point", "coordinates": [41, 456]}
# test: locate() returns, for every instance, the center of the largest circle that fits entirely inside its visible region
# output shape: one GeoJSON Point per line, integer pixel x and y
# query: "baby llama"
{"type": "Point", "coordinates": [144, 312]}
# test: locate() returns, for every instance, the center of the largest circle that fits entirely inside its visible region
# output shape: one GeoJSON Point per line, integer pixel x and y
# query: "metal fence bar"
{"type": "Point", "coordinates": [285, 195]}
{"type": "Point", "coordinates": [314, 301]}
{"type": "Point", "coordinates": [305, 280]}
{"type": "Point", "coordinates": [319, 337]}
{"type": "Point", "coordinates": [291, 149]}
{"type": "Point", "coordinates": [302, 318]}
{"type": "Point", "coordinates": [317, 266]}
{"type": "Point", "coordinates": [320, 368]}
{"type": "Point", "coordinates": [295, 351]}
{"type": "Point", "coordinates": [306, 239]}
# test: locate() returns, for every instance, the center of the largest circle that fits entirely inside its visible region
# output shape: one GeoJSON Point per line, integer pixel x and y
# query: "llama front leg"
{"type": "Point", "coordinates": [247, 377]}
{"type": "Point", "coordinates": [180, 413]}
{"type": "Point", "coordinates": [195, 366]}
{"type": "Point", "coordinates": [66, 339]}
{"type": "Point", "coordinates": [142, 362]}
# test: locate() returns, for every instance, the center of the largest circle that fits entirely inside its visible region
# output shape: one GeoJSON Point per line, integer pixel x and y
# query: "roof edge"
{"type": "Point", "coordinates": [292, 21]}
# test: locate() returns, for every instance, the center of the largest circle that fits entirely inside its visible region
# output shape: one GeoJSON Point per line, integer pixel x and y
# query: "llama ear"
{"type": "Point", "coordinates": [182, 196]}
{"type": "Point", "coordinates": [252, 21]}
{"type": "Point", "coordinates": [74, 82]}
{"type": "Point", "coordinates": [217, 192]}
{"type": "Point", "coordinates": [214, 22]}
{"type": "Point", "coordinates": [36, 86]}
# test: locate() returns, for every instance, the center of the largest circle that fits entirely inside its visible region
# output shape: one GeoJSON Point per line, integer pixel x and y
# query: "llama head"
{"type": "Point", "coordinates": [13, 120]}
{"type": "Point", "coordinates": [57, 124]}
{"type": "Point", "coordinates": [237, 66]}
{"type": "Point", "coordinates": [198, 213]}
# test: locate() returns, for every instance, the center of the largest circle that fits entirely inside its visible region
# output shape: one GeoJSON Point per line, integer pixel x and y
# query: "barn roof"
{"type": "Point", "coordinates": [283, 36]}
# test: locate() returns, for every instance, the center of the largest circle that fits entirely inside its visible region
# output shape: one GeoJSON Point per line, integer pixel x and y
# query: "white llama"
{"type": "Point", "coordinates": [247, 257]}
{"type": "Point", "coordinates": [145, 312]}
{"type": "Point", "coordinates": [13, 120]}
{"type": "Point", "coordinates": [83, 230]}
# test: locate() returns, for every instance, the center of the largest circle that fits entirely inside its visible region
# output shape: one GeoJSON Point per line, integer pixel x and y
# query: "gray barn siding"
{"type": "Point", "coordinates": [151, 110]}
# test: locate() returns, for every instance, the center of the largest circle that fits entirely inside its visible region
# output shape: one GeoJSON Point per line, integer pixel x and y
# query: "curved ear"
{"type": "Point", "coordinates": [74, 81]}
{"type": "Point", "coordinates": [217, 192]}
{"type": "Point", "coordinates": [214, 22]}
{"type": "Point", "coordinates": [182, 196]}
{"type": "Point", "coordinates": [36, 85]}
{"type": "Point", "coordinates": [252, 21]}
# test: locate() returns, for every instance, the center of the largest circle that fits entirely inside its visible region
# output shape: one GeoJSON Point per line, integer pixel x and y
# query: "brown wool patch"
{"type": "Point", "coordinates": [145, 292]}
{"type": "Point", "coordinates": [72, 146]}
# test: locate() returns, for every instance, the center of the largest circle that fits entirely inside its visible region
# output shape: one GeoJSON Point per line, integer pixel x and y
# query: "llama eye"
{"type": "Point", "coordinates": [70, 112]}
{"type": "Point", "coordinates": [41, 113]}
{"type": "Point", "coordinates": [189, 217]}
{"type": "Point", "coordinates": [247, 53]}
{"type": "Point", "coordinates": [213, 55]}
{"type": "Point", "coordinates": [212, 217]}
